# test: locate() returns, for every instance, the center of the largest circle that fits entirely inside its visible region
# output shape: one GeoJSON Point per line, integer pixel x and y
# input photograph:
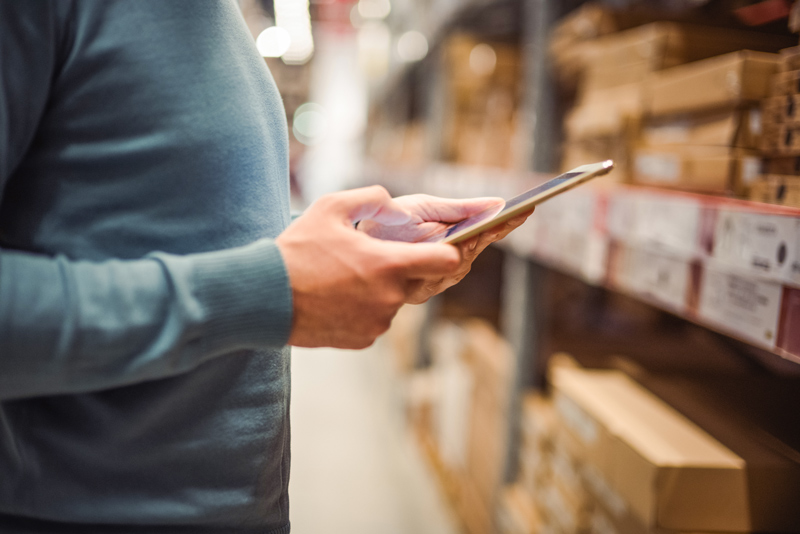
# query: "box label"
{"type": "Point", "coordinates": [762, 245]}
{"type": "Point", "coordinates": [742, 306]}
{"type": "Point", "coordinates": [658, 168]}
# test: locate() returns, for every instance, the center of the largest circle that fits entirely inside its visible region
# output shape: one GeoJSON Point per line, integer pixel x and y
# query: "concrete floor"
{"type": "Point", "coordinates": [355, 468]}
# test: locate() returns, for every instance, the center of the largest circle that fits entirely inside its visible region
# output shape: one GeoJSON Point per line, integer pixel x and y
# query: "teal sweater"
{"type": "Point", "coordinates": [144, 307]}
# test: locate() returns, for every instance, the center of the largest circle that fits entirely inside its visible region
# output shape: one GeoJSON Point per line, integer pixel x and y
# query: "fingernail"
{"type": "Point", "coordinates": [473, 245]}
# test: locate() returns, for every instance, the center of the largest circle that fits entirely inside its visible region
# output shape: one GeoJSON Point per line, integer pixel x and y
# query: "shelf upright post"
{"type": "Point", "coordinates": [524, 305]}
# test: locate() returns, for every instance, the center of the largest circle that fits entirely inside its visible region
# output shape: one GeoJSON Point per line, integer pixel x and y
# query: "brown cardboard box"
{"type": "Point", "coordinates": [735, 128]}
{"type": "Point", "coordinates": [538, 421]}
{"type": "Point", "coordinates": [490, 359]}
{"type": "Point", "coordinates": [786, 83]}
{"type": "Point", "coordinates": [404, 336]}
{"type": "Point", "coordinates": [787, 140]}
{"type": "Point", "coordinates": [605, 111]}
{"type": "Point", "coordinates": [632, 54]}
{"type": "Point", "coordinates": [787, 165]}
{"type": "Point", "coordinates": [604, 522]}
{"type": "Point", "coordinates": [716, 170]}
{"type": "Point", "coordinates": [517, 514]}
{"type": "Point", "coordinates": [723, 81]}
{"type": "Point", "coordinates": [777, 189]}
{"type": "Point", "coordinates": [790, 59]}
{"type": "Point", "coordinates": [536, 441]}
{"type": "Point", "coordinates": [561, 511]}
{"type": "Point", "coordinates": [752, 414]}
{"type": "Point", "coordinates": [473, 512]}
{"type": "Point", "coordinates": [669, 472]}
{"type": "Point", "coordinates": [781, 109]}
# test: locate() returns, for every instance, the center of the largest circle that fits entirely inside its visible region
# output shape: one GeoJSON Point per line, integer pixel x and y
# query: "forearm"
{"type": "Point", "coordinates": [72, 326]}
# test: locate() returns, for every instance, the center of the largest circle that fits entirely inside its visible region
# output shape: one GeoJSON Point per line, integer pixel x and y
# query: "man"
{"type": "Point", "coordinates": [150, 280]}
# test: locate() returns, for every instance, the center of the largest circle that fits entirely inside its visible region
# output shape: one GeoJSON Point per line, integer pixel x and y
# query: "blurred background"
{"type": "Point", "coordinates": [626, 362]}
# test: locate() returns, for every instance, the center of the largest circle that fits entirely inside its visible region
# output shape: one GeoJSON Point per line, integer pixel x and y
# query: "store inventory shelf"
{"type": "Point", "coordinates": [732, 266]}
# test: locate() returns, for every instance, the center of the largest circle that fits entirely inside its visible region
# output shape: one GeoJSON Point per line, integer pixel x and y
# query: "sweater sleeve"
{"type": "Point", "coordinates": [73, 326]}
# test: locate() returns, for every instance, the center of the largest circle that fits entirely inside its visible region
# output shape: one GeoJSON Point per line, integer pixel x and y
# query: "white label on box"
{"type": "Point", "coordinates": [658, 167]}
{"type": "Point", "coordinates": [668, 134]}
{"type": "Point", "coordinates": [751, 169]}
{"type": "Point", "coordinates": [745, 307]}
{"type": "Point", "coordinates": [755, 121]}
{"type": "Point", "coordinates": [762, 245]}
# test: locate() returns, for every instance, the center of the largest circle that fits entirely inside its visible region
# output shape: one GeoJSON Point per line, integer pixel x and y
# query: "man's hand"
{"type": "Point", "coordinates": [346, 285]}
{"type": "Point", "coordinates": [431, 214]}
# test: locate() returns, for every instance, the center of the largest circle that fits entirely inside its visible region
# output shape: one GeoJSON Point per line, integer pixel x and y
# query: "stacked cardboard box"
{"type": "Point", "coordinates": [517, 514]}
{"type": "Point", "coordinates": [536, 446]}
{"type": "Point", "coordinates": [704, 125]}
{"type": "Point", "coordinates": [648, 465]}
{"type": "Point", "coordinates": [617, 68]}
{"type": "Point", "coordinates": [470, 418]}
{"type": "Point", "coordinates": [780, 183]}
{"type": "Point", "coordinates": [480, 120]}
{"type": "Point", "coordinates": [491, 359]}
{"type": "Point", "coordinates": [647, 469]}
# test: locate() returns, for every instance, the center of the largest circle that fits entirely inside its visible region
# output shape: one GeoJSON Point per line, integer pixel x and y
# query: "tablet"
{"type": "Point", "coordinates": [495, 215]}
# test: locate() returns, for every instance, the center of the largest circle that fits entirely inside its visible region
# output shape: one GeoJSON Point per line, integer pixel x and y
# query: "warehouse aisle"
{"type": "Point", "coordinates": [354, 469]}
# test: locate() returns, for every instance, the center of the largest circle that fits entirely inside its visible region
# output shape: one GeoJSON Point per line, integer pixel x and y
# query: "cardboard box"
{"type": "Point", "coordinates": [787, 165]}
{"type": "Point", "coordinates": [537, 421]}
{"type": "Point", "coordinates": [724, 81]}
{"type": "Point", "coordinates": [790, 59]}
{"type": "Point", "coordinates": [605, 112]}
{"type": "Point", "coordinates": [633, 54]}
{"type": "Point", "coordinates": [734, 128]}
{"type": "Point", "coordinates": [781, 110]}
{"type": "Point", "coordinates": [716, 170]}
{"type": "Point", "coordinates": [777, 189]}
{"type": "Point", "coordinates": [517, 514]}
{"type": "Point", "coordinates": [404, 336]}
{"type": "Point", "coordinates": [536, 441]}
{"type": "Point", "coordinates": [786, 83]}
{"type": "Point", "coordinates": [560, 510]}
{"type": "Point", "coordinates": [604, 522]}
{"type": "Point", "coordinates": [670, 473]}
{"type": "Point", "coordinates": [747, 413]}
{"type": "Point", "coordinates": [472, 510]}
{"type": "Point", "coordinates": [490, 359]}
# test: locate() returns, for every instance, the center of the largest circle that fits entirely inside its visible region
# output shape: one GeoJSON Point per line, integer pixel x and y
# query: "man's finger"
{"type": "Point", "coordinates": [503, 229]}
{"type": "Point", "coordinates": [432, 208]}
{"type": "Point", "coordinates": [372, 202]}
{"type": "Point", "coordinates": [417, 260]}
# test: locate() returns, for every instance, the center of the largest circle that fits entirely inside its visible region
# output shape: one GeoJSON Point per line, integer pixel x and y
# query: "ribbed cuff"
{"type": "Point", "coordinates": [246, 295]}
